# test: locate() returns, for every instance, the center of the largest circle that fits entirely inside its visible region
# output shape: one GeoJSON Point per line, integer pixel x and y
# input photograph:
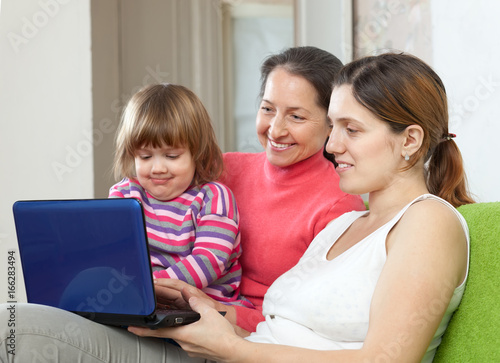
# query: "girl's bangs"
{"type": "Point", "coordinates": [154, 132]}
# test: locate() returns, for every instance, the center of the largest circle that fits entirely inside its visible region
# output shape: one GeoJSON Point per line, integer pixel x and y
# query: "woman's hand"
{"type": "Point", "coordinates": [177, 294]}
{"type": "Point", "coordinates": [212, 337]}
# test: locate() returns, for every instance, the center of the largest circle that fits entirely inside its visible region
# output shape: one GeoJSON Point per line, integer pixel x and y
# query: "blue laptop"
{"type": "Point", "coordinates": [91, 257]}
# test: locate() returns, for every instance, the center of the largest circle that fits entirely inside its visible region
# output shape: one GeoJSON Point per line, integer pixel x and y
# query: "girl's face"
{"type": "Point", "coordinates": [368, 153]}
{"type": "Point", "coordinates": [290, 124]}
{"type": "Point", "coordinates": [164, 172]}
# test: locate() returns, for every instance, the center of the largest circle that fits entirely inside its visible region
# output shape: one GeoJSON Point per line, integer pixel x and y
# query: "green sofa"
{"type": "Point", "coordinates": [474, 331]}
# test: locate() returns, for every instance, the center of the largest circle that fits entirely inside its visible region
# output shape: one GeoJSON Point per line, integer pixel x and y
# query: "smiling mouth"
{"type": "Point", "coordinates": [159, 181]}
{"type": "Point", "coordinates": [343, 166]}
{"type": "Point", "coordinates": [278, 145]}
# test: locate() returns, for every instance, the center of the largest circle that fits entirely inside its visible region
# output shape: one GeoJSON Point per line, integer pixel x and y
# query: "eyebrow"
{"type": "Point", "coordinates": [343, 119]}
{"type": "Point", "coordinates": [293, 108]}
{"type": "Point", "coordinates": [165, 148]}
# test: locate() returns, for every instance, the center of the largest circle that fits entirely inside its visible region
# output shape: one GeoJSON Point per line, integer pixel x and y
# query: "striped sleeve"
{"type": "Point", "coordinates": [116, 191]}
{"type": "Point", "coordinates": [213, 263]}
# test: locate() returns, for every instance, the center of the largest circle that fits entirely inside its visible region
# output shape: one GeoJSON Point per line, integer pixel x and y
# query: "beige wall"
{"type": "Point", "coordinates": [45, 110]}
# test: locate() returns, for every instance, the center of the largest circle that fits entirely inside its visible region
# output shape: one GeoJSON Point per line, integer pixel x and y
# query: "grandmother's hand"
{"type": "Point", "coordinates": [212, 336]}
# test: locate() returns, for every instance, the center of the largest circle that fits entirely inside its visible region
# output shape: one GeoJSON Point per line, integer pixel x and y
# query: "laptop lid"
{"type": "Point", "coordinates": [90, 257]}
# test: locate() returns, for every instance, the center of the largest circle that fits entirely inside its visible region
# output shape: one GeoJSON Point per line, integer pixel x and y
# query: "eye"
{"type": "Point", "coordinates": [266, 109]}
{"type": "Point", "coordinates": [351, 131]}
{"type": "Point", "coordinates": [143, 157]}
{"type": "Point", "coordinates": [172, 156]}
{"type": "Point", "coordinates": [298, 118]}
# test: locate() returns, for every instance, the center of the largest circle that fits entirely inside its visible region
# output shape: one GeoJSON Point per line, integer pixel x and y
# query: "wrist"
{"type": "Point", "coordinates": [238, 350]}
{"type": "Point", "coordinates": [230, 312]}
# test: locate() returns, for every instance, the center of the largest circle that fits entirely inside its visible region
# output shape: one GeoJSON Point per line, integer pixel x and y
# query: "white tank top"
{"type": "Point", "coordinates": [325, 305]}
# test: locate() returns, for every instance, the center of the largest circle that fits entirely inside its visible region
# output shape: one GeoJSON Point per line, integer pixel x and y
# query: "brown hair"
{"type": "Point", "coordinates": [402, 90]}
{"type": "Point", "coordinates": [167, 114]}
{"type": "Point", "coordinates": [315, 65]}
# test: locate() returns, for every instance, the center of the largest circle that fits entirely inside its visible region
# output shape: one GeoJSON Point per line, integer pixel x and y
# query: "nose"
{"type": "Point", "coordinates": [159, 166]}
{"type": "Point", "coordinates": [335, 144]}
{"type": "Point", "coordinates": [277, 127]}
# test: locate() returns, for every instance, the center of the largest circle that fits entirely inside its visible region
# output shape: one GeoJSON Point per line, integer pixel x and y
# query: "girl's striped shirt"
{"type": "Point", "coordinates": [194, 237]}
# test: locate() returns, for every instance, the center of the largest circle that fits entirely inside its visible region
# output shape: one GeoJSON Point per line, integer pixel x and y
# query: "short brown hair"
{"type": "Point", "coordinates": [167, 114]}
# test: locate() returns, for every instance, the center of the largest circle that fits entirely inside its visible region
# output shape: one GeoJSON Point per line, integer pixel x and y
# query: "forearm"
{"type": "Point", "coordinates": [183, 270]}
{"type": "Point", "coordinates": [200, 269]}
{"type": "Point", "coordinates": [213, 337]}
{"type": "Point", "coordinates": [249, 352]}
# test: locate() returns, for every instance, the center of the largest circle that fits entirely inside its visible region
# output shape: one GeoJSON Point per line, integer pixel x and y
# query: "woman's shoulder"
{"type": "Point", "coordinates": [432, 237]}
{"type": "Point", "coordinates": [240, 158]}
{"type": "Point", "coordinates": [429, 217]}
{"type": "Point", "coordinates": [239, 166]}
{"type": "Point", "coordinates": [434, 210]}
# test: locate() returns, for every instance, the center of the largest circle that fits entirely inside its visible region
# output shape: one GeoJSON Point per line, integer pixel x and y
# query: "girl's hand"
{"type": "Point", "coordinates": [212, 337]}
{"type": "Point", "coordinates": [169, 293]}
{"type": "Point", "coordinates": [177, 294]}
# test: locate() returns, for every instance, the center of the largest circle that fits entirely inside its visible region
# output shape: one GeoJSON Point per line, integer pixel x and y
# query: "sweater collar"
{"type": "Point", "coordinates": [297, 173]}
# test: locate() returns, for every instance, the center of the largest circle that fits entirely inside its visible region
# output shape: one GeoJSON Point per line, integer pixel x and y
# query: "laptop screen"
{"type": "Point", "coordinates": [85, 255]}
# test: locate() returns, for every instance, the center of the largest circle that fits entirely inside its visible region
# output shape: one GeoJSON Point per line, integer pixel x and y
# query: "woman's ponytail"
{"type": "Point", "coordinates": [446, 174]}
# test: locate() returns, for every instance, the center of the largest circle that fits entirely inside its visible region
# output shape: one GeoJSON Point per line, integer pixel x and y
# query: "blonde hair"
{"type": "Point", "coordinates": [167, 114]}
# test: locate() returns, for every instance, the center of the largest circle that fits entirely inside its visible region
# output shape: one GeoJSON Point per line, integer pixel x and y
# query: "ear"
{"type": "Point", "coordinates": [413, 138]}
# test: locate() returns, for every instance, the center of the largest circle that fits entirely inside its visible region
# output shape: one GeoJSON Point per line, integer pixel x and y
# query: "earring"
{"type": "Point", "coordinates": [407, 157]}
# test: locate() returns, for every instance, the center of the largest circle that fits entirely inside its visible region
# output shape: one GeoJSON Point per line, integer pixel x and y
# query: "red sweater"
{"type": "Point", "coordinates": [281, 211]}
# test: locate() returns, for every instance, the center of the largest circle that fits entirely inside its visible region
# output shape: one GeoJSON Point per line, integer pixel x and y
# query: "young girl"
{"type": "Point", "coordinates": [168, 157]}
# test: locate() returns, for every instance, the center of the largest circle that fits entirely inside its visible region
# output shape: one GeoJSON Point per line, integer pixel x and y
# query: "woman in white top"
{"type": "Point", "coordinates": [375, 286]}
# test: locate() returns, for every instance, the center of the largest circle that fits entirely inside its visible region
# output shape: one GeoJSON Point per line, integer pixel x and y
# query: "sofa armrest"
{"type": "Point", "coordinates": [473, 334]}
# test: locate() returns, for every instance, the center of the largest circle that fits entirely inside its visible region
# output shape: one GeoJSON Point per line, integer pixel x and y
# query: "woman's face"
{"type": "Point", "coordinates": [368, 153]}
{"type": "Point", "coordinates": [291, 125]}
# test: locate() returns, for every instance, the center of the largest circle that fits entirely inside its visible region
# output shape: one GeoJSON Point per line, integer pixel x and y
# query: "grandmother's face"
{"type": "Point", "coordinates": [291, 125]}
